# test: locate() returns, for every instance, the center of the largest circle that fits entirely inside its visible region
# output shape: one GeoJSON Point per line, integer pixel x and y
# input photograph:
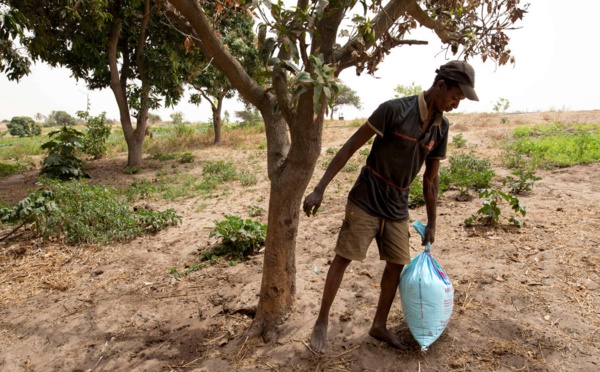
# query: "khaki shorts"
{"type": "Point", "coordinates": [358, 230]}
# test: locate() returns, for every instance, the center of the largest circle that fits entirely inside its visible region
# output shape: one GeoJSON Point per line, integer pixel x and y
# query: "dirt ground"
{"type": "Point", "coordinates": [525, 299]}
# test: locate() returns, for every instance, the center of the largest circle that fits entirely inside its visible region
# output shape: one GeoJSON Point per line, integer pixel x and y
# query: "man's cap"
{"type": "Point", "coordinates": [463, 74]}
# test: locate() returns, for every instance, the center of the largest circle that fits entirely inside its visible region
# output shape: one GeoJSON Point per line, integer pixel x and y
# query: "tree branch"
{"type": "Point", "coordinates": [222, 59]}
{"type": "Point", "coordinates": [139, 61]}
{"type": "Point", "coordinates": [415, 11]}
{"type": "Point", "coordinates": [183, 27]}
{"type": "Point", "coordinates": [347, 56]}
{"type": "Point", "coordinates": [115, 79]}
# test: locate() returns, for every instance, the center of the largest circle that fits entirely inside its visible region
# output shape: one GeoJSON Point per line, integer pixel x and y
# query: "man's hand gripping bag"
{"type": "Point", "coordinates": [427, 295]}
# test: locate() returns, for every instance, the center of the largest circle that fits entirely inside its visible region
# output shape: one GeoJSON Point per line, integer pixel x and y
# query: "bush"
{"type": "Point", "coordinates": [556, 145]}
{"type": "Point", "coordinates": [415, 195]}
{"type": "Point", "coordinates": [57, 118]}
{"type": "Point", "coordinates": [489, 213]}
{"type": "Point", "coordinates": [154, 118]}
{"type": "Point", "coordinates": [8, 169]}
{"type": "Point", "coordinates": [220, 170]}
{"type": "Point", "coordinates": [23, 126]}
{"type": "Point", "coordinates": [239, 237]}
{"type": "Point", "coordinates": [62, 161]}
{"type": "Point", "coordinates": [186, 157]}
{"type": "Point", "coordinates": [459, 141]}
{"type": "Point", "coordinates": [466, 172]}
{"type": "Point", "coordinates": [98, 131]}
{"type": "Point", "coordinates": [247, 178]}
{"type": "Point", "coordinates": [524, 181]}
{"type": "Point", "coordinates": [78, 212]}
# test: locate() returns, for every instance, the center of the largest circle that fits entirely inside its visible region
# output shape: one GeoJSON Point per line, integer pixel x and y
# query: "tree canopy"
{"type": "Point", "coordinates": [236, 32]}
{"type": "Point", "coordinates": [125, 45]}
{"type": "Point", "coordinates": [12, 28]}
{"type": "Point", "coordinates": [345, 97]}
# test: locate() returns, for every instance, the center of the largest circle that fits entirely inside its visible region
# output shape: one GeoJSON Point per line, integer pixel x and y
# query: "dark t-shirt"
{"type": "Point", "coordinates": [397, 155]}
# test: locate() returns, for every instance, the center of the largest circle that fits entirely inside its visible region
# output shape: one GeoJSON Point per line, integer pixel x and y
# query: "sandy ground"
{"type": "Point", "coordinates": [525, 299]}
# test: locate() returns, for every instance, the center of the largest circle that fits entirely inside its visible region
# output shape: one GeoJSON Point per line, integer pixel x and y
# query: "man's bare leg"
{"type": "Point", "coordinates": [318, 341]}
{"type": "Point", "coordinates": [389, 283]}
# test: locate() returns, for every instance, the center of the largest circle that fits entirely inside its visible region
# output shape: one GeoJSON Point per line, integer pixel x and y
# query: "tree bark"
{"type": "Point", "coordinates": [288, 183]}
{"type": "Point", "coordinates": [118, 84]}
{"type": "Point", "coordinates": [217, 118]}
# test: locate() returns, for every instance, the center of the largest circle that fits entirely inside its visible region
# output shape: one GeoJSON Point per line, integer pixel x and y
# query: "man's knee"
{"type": "Point", "coordinates": [341, 261]}
{"type": "Point", "coordinates": [393, 268]}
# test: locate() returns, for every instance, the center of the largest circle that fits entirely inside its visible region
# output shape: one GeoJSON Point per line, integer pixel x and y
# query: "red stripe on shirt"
{"type": "Point", "coordinates": [405, 136]}
{"type": "Point", "coordinates": [429, 146]}
{"type": "Point", "coordinates": [386, 181]}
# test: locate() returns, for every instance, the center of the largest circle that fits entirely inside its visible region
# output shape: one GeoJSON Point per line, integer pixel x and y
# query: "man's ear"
{"type": "Point", "coordinates": [441, 84]}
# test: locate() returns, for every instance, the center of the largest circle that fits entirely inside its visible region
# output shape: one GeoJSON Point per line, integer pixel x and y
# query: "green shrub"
{"type": "Point", "coordinates": [551, 146]}
{"type": "Point", "coordinates": [364, 152]}
{"type": "Point", "coordinates": [356, 123]}
{"type": "Point", "coordinates": [62, 161]}
{"type": "Point", "coordinates": [165, 157]}
{"type": "Point", "coordinates": [415, 195]}
{"type": "Point", "coordinates": [331, 151]}
{"type": "Point", "coordinates": [78, 212]}
{"type": "Point", "coordinates": [466, 172]}
{"type": "Point", "coordinates": [247, 178]}
{"type": "Point", "coordinates": [351, 167]}
{"type": "Point", "coordinates": [489, 213]}
{"type": "Point", "coordinates": [23, 126]}
{"type": "Point", "coordinates": [9, 169]}
{"type": "Point", "coordinates": [239, 237]}
{"type": "Point", "coordinates": [37, 210]}
{"type": "Point", "coordinates": [459, 141]}
{"type": "Point", "coordinates": [186, 157]}
{"type": "Point", "coordinates": [223, 171]}
{"type": "Point", "coordinates": [98, 131]}
{"type": "Point", "coordinates": [140, 189]}
{"type": "Point", "coordinates": [255, 210]}
{"type": "Point", "coordinates": [132, 170]}
{"type": "Point", "coordinates": [524, 181]}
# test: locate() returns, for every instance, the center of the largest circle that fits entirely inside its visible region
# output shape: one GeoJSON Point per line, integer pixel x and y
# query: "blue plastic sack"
{"type": "Point", "coordinates": [427, 295]}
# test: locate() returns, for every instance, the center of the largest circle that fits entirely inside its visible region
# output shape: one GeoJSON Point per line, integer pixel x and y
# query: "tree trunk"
{"type": "Point", "coordinates": [288, 183]}
{"type": "Point", "coordinates": [118, 84]}
{"type": "Point", "coordinates": [135, 144]}
{"type": "Point", "coordinates": [216, 110]}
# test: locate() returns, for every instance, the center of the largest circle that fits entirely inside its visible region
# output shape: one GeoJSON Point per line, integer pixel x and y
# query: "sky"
{"type": "Point", "coordinates": [556, 68]}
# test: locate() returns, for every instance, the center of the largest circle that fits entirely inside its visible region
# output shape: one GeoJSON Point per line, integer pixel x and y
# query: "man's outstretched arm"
{"type": "Point", "coordinates": [313, 201]}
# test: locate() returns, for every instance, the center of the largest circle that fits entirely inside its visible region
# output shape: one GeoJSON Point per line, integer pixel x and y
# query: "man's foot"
{"type": "Point", "coordinates": [386, 336]}
{"type": "Point", "coordinates": [318, 340]}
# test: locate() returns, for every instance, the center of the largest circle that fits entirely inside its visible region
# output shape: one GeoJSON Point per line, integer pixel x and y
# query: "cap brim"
{"type": "Point", "coordinates": [469, 92]}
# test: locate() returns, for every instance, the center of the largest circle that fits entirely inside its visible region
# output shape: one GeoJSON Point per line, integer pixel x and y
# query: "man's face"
{"type": "Point", "coordinates": [450, 98]}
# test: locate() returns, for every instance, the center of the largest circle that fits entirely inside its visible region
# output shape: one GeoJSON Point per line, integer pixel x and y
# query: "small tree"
{"type": "Point", "coordinates": [346, 97]}
{"type": "Point", "coordinates": [23, 126]}
{"type": "Point", "coordinates": [177, 118]}
{"type": "Point", "coordinates": [154, 118]}
{"type": "Point", "coordinates": [407, 90]}
{"type": "Point", "coordinates": [500, 107]}
{"type": "Point", "coordinates": [57, 118]}
{"type": "Point", "coordinates": [98, 130]}
{"type": "Point", "coordinates": [249, 116]}
{"type": "Point", "coordinates": [235, 27]}
{"type": "Point", "coordinates": [62, 161]}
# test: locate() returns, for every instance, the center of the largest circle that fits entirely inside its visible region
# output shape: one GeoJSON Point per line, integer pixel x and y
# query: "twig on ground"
{"type": "Point", "coordinates": [347, 351]}
{"type": "Point", "coordinates": [309, 348]}
{"type": "Point", "coordinates": [241, 348]}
